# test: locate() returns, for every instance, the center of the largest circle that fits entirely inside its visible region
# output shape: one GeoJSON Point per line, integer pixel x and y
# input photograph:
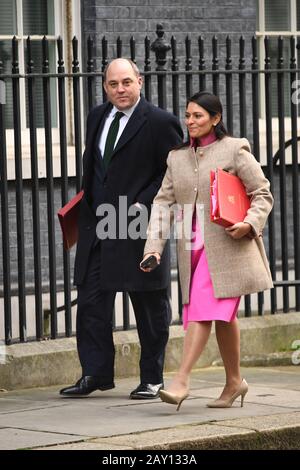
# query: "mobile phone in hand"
{"type": "Point", "coordinates": [150, 262]}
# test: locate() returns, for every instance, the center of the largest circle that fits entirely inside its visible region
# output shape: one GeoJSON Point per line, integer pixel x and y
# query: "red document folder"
{"type": "Point", "coordinates": [68, 218]}
{"type": "Point", "coordinates": [229, 202]}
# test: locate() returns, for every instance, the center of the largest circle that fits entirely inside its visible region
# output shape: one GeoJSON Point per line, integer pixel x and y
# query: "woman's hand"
{"type": "Point", "coordinates": [239, 230]}
{"type": "Point", "coordinates": [157, 256]}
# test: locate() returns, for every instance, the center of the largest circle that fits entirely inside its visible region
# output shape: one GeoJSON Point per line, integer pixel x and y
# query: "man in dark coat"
{"type": "Point", "coordinates": [127, 143]}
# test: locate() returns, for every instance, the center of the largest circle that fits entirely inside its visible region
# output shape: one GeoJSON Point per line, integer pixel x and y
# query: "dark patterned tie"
{"type": "Point", "coordinates": [111, 138]}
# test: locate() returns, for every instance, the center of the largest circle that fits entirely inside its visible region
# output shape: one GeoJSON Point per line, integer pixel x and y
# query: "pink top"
{"type": "Point", "coordinates": [203, 141]}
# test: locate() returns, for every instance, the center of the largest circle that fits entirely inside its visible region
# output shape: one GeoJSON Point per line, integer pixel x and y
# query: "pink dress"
{"type": "Point", "coordinates": [203, 305]}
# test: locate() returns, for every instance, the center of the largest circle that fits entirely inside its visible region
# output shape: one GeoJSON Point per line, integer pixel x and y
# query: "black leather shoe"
{"type": "Point", "coordinates": [84, 386]}
{"type": "Point", "coordinates": [146, 391]}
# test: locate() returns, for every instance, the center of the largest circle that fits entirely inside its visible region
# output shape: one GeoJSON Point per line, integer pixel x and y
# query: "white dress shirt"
{"type": "Point", "coordinates": [122, 123]}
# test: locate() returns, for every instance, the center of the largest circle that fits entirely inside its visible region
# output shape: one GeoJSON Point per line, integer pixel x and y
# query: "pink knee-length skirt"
{"type": "Point", "coordinates": [203, 305]}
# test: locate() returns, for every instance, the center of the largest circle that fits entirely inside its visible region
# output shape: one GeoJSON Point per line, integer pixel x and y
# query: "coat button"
{"type": "Point", "coordinates": [195, 189]}
{"type": "Point", "coordinates": [195, 170]}
{"type": "Point", "coordinates": [201, 153]}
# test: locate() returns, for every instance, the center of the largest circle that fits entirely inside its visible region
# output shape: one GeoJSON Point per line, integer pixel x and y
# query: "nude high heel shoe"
{"type": "Point", "coordinates": [243, 389]}
{"type": "Point", "coordinates": [172, 398]}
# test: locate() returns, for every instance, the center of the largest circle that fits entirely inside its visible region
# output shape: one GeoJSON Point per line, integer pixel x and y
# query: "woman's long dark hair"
{"type": "Point", "coordinates": [212, 104]}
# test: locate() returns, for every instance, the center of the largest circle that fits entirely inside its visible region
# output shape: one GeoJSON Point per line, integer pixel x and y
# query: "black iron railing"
{"type": "Point", "coordinates": [245, 89]}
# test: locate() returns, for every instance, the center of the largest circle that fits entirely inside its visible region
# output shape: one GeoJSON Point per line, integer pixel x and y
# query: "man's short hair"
{"type": "Point", "coordinates": [133, 65]}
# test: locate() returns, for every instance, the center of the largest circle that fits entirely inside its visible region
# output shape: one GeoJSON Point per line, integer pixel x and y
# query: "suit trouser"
{"type": "Point", "coordinates": [94, 327]}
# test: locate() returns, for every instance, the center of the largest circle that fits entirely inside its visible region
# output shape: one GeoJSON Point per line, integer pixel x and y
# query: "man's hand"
{"type": "Point", "coordinates": [239, 230]}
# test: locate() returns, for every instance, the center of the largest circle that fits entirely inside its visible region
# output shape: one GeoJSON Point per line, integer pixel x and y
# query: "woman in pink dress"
{"type": "Point", "coordinates": [221, 264]}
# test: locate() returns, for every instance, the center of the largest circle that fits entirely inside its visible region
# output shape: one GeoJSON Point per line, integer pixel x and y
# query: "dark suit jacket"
{"type": "Point", "coordinates": [136, 170]}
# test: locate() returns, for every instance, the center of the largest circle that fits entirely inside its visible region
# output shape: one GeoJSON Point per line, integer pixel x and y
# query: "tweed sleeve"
{"type": "Point", "coordinates": [162, 215]}
{"type": "Point", "coordinates": [257, 186]}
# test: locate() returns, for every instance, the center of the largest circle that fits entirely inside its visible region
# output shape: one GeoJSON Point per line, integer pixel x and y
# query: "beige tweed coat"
{"type": "Point", "coordinates": [237, 267]}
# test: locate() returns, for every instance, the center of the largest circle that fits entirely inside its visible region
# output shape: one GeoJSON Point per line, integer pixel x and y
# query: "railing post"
{"type": "Point", "coordinates": [147, 68]}
{"type": "Point", "coordinates": [132, 49]}
{"type": "Point", "coordinates": [4, 216]}
{"type": "Point", "coordinates": [50, 193]}
{"type": "Point", "coordinates": [35, 190]}
{"type": "Point", "coordinates": [202, 76]}
{"type": "Point", "coordinates": [242, 89]}
{"type": "Point", "coordinates": [255, 121]}
{"type": "Point", "coordinates": [255, 99]}
{"type": "Point", "coordinates": [125, 303]}
{"type": "Point", "coordinates": [175, 77]}
{"type": "Point", "coordinates": [119, 47]}
{"type": "Point", "coordinates": [90, 69]}
{"type": "Point", "coordinates": [160, 46]}
{"type": "Point", "coordinates": [19, 190]}
{"type": "Point", "coordinates": [64, 179]}
{"type": "Point", "coordinates": [104, 63]}
{"type": "Point", "coordinates": [243, 126]}
{"type": "Point", "coordinates": [269, 141]}
{"type": "Point", "coordinates": [77, 114]}
{"type": "Point", "coordinates": [215, 65]}
{"type": "Point", "coordinates": [188, 67]}
{"type": "Point", "coordinates": [282, 177]}
{"type": "Point", "coordinates": [228, 80]}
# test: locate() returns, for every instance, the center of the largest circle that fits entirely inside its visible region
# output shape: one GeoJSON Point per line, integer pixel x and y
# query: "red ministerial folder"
{"type": "Point", "coordinates": [68, 218]}
{"type": "Point", "coordinates": [229, 202]}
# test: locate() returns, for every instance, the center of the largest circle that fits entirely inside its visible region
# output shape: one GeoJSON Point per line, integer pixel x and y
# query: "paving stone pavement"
{"type": "Point", "coordinates": [40, 419]}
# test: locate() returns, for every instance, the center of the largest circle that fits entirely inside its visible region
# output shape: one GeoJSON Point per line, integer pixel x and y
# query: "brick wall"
{"type": "Point", "coordinates": [179, 18]}
{"type": "Point", "coordinates": [139, 18]}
